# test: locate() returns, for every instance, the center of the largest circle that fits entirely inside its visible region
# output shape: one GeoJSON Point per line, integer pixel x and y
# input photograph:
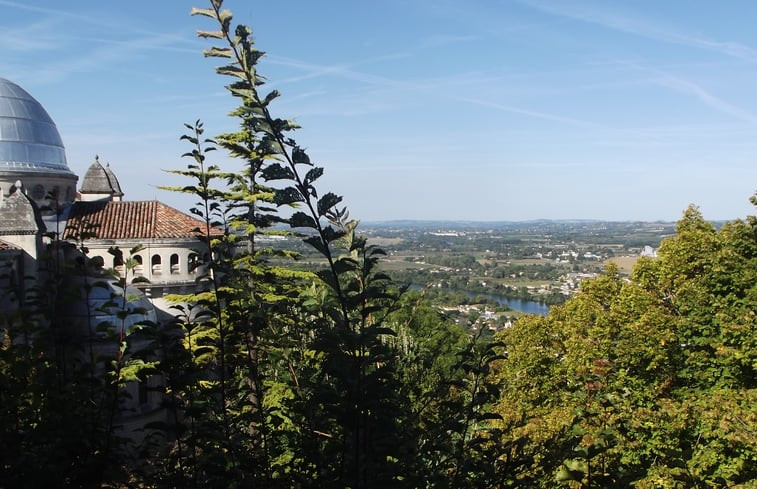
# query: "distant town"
{"type": "Point", "coordinates": [487, 274]}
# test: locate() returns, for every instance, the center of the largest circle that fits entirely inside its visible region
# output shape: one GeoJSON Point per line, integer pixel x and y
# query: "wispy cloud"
{"type": "Point", "coordinates": [158, 42]}
{"type": "Point", "coordinates": [58, 29]}
{"type": "Point", "coordinates": [48, 11]}
{"type": "Point", "coordinates": [689, 87]}
{"type": "Point", "coordinates": [36, 36]}
{"type": "Point", "coordinates": [599, 14]}
{"type": "Point", "coordinates": [94, 59]}
{"type": "Point", "coordinates": [530, 113]}
{"type": "Point", "coordinates": [346, 70]}
{"type": "Point", "coordinates": [90, 18]}
{"type": "Point", "coordinates": [383, 94]}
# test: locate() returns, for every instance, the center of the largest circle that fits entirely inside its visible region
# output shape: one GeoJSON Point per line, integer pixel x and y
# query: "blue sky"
{"type": "Point", "coordinates": [420, 109]}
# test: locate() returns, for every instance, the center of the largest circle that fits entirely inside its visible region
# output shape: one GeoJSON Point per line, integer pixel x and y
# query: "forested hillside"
{"type": "Point", "coordinates": [276, 377]}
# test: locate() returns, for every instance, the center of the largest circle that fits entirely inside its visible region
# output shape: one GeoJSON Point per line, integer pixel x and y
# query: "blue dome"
{"type": "Point", "coordinates": [29, 140]}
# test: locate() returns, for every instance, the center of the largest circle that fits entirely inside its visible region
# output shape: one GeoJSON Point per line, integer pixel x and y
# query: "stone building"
{"type": "Point", "coordinates": [43, 213]}
{"type": "Point", "coordinates": [39, 202]}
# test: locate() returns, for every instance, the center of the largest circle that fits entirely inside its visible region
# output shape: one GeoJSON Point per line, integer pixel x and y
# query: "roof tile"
{"type": "Point", "coordinates": [130, 220]}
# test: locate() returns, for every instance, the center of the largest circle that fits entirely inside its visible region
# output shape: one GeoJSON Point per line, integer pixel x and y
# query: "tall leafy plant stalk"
{"type": "Point", "coordinates": [237, 306]}
{"type": "Point", "coordinates": [207, 325]}
{"type": "Point", "coordinates": [476, 446]}
{"type": "Point", "coordinates": [212, 217]}
{"type": "Point", "coordinates": [308, 376]}
{"type": "Point", "coordinates": [260, 143]}
{"type": "Point", "coordinates": [352, 336]}
{"type": "Point", "coordinates": [263, 144]}
{"type": "Point", "coordinates": [180, 431]}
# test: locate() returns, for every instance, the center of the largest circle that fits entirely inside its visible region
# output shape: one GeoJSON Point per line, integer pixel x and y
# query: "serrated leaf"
{"type": "Point", "coordinates": [330, 234]}
{"type": "Point", "coordinates": [242, 92]}
{"type": "Point", "coordinates": [273, 94]}
{"type": "Point", "coordinates": [326, 202]}
{"type": "Point", "coordinates": [302, 220]}
{"type": "Point", "coordinates": [276, 171]}
{"type": "Point", "coordinates": [313, 174]}
{"type": "Point", "coordinates": [217, 52]}
{"type": "Point", "coordinates": [287, 196]}
{"type": "Point", "coordinates": [210, 34]}
{"type": "Point", "coordinates": [230, 70]}
{"type": "Point", "coordinates": [299, 156]}
{"type": "Point", "coordinates": [385, 331]}
{"type": "Point", "coordinates": [327, 277]}
{"type": "Point", "coordinates": [316, 242]}
{"type": "Point", "coordinates": [224, 16]}
{"type": "Point", "coordinates": [207, 12]}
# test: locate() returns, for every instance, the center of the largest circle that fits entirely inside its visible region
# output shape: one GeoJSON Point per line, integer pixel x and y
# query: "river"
{"type": "Point", "coordinates": [520, 305]}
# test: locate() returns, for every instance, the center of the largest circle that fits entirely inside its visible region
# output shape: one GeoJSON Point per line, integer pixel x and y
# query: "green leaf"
{"type": "Point", "coordinates": [275, 171]}
{"type": "Point", "coordinates": [299, 156]}
{"type": "Point", "coordinates": [273, 94]}
{"type": "Point", "coordinates": [210, 34]}
{"type": "Point", "coordinates": [302, 220]}
{"type": "Point", "coordinates": [326, 202]}
{"type": "Point", "coordinates": [317, 243]}
{"type": "Point", "coordinates": [287, 196]}
{"type": "Point", "coordinates": [313, 174]}
{"type": "Point", "coordinates": [206, 12]}
{"type": "Point", "coordinates": [230, 70]}
{"type": "Point", "coordinates": [330, 234]}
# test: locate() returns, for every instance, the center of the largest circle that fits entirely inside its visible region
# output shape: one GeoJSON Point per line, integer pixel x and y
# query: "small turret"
{"type": "Point", "coordinates": [100, 183]}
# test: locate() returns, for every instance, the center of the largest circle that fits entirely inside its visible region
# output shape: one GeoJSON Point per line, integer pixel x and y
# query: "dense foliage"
{"type": "Point", "coordinates": [648, 382]}
{"type": "Point", "coordinates": [273, 376]}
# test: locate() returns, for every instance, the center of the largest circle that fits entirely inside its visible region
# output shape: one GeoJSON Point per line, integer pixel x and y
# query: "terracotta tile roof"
{"type": "Point", "coordinates": [130, 220]}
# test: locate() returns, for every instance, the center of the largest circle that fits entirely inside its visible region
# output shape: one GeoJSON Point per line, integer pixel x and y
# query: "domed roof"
{"type": "Point", "coordinates": [29, 140]}
{"type": "Point", "coordinates": [100, 180]}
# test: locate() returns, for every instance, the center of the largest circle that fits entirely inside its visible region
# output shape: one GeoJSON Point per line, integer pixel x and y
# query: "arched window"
{"type": "Point", "coordinates": [174, 263]}
{"type": "Point", "coordinates": [157, 268]}
{"type": "Point", "coordinates": [138, 268]}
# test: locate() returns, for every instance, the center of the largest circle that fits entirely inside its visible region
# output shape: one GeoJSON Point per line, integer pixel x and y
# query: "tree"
{"type": "Point", "coordinates": [294, 365]}
{"type": "Point", "coordinates": [648, 382]}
